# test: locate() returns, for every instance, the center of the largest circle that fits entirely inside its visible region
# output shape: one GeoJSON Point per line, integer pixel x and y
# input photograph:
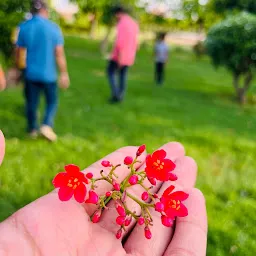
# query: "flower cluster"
{"type": "Point", "coordinates": [158, 167]}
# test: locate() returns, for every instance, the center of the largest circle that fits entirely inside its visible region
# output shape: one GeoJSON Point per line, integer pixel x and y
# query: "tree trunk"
{"type": "Point", "coordinates": [93, 26]}
{"type": "Point", "coordinates": [104, 42]}
{"type": "Point", "coordinates": [241, 90]}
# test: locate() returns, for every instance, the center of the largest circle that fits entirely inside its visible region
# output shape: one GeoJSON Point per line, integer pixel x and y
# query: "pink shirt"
{"type": "Point", "coordinates": [126, 43]}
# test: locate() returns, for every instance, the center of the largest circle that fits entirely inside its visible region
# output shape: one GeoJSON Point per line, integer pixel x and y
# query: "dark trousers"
{"type": "Point", "coordinates": [159, 72]}
{"type": "Point", "coordinates": [32, 97]}
{"type": "Point", "coordinates": [112, 71]}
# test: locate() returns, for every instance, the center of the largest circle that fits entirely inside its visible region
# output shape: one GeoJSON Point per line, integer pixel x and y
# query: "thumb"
{"type": "Point", "coordinates": [2, 147]}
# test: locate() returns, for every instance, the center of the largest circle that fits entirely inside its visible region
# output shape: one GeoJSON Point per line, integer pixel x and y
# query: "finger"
{"type": "Point", "coordinates": [174, 150]}
{"type": "Point", "coordinates": [161, 236]}
{"type": "Point", "coordinates": [2, 147]}
{"type": "Point", "coordinates": [190, 237]}
{"type": "Point", "coordinates": [115, 158]}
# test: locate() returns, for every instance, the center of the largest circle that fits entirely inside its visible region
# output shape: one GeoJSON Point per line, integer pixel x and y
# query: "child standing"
{"type": "Point", "coordinates": [161, 57]}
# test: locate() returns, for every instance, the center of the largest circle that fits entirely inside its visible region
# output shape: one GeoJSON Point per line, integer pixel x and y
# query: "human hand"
{"type": "Point", "coordinates": [64, 81]}
{"type": "Point", "coordinates": [48, 226]}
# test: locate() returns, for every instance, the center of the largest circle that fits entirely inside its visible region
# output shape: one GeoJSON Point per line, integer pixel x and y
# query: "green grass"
{"type": "Point", "coordinates": [195, 107]}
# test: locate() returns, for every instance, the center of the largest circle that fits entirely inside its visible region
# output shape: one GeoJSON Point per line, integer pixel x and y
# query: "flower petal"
{"type": "Point", "coordinates": [72, 169]}
{"type": "Point", "coordinates": [179, 195]}
{"type": "Point", "coordinates": [80, 193]}
{"type": "Point", "coordinates": [169, 165]}
{"type": "Point", "coordinates": [65, 193]}
{"type": "Point", "coordinates": [159, 154]}
{"type": "Point", "coordinates": [168, 191]}
{"type": "Point", "coordinates": [60, 180]}
{"type": "Point", "coordinates": [82, 178]}
{"type": "Point", "coordinates": [171, 213]}
{"type": "Point", "coordinates": [183, 211]}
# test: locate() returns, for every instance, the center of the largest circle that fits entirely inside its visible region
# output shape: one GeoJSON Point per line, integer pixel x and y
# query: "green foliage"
{"type": "Point", "coordinates": [193, 107]}
{"type": "Point", "coordinates": [11, 13]}
{"type": "Point", "coordinates": [232, 43]}
{"type": "Point", "coordinates": [222, 6]}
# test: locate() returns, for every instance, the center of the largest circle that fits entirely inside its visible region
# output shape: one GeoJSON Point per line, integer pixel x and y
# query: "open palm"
{"type": "Point", "coordinates": [50, 227]}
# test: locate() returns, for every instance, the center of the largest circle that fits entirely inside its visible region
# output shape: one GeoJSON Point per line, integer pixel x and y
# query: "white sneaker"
{"type": "Point", "coordinates": [33, 134]}
{"type": "Point", "coordinates": [48, 133]}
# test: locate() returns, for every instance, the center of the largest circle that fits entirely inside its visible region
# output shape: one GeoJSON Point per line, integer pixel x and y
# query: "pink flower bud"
{"type": "Point", "coordinates": [120, 209]}
{"type": "Point", "coordinates": [155, 195]}
{"type": "Point", "coordinates": [133, 179]}
{"type": "Point", "coordinates": [173, 177]}
{"type": "Point", "coordinates": [108, 194]}
{"type": "Point", "coordinates": [120, 220]}
{"type": "Point", "coordinates": [106, 163]}
{"type": "Point", "coordinates": [116, 185]}
{"type": "Point", "coordinates": [144, 196]}
{"type": "Point", "coordinates": [119, 234]}
{"type": "Point", "coordinates": [166, 221]}
{"type": "Point", "coordinates": [141, 221]}
{"type": "Point", "coordinates": [147, 233]}
{"type": "Point", "coordinates": [159, 207]}
{"type": "Point", "coordinates": [93, 198]}
{"type": "Point", "coordinates": [140, 150]}
{"type": "Point", "coordinates": [128, 221]}
{"type": "Point", "coordinates": [152, 181]}
{"type": "Point", "coordinates": [96, 216]}
{"type": "Point", "coordinates": [128, 160]}
{"type": "Point", "coordinates": [89, 175]}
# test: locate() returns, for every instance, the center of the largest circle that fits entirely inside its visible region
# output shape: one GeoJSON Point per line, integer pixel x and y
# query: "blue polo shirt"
{"type": "Point", "coordinates": [40, 37]}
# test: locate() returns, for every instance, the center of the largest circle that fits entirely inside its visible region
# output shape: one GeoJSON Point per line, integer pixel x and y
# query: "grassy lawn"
{"type": "Point", "coordinates": [195, 107]}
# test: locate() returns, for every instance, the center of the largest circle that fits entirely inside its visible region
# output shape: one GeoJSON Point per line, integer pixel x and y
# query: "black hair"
{"type": "Point", "coordinates": [161, 36]}
{"type": "Point", "coordinates": [38, 5]}
{"type": "Point", "coordinates": [118, 9]}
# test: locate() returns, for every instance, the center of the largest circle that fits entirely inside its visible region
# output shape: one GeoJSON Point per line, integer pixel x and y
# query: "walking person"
{"type": "Point", "coordinates": [123, 54]}
{"type": "Point", "coordinates": [43, 42]}
{"type": "Point", "coordinates": [161, 57]}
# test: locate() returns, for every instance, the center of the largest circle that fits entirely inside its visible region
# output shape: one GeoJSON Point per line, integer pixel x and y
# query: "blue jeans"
{"type": "Point", "coordinates": [117, 91]}
{"type": "Point", "coordinates": [32, 96]}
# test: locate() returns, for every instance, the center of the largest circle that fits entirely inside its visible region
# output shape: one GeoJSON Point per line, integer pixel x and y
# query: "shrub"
{"type": "Point", "coordinates": [232, 44]}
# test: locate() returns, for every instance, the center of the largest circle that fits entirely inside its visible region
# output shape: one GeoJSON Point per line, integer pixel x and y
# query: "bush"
{"type": "Point", "coordinates": [232, 44]}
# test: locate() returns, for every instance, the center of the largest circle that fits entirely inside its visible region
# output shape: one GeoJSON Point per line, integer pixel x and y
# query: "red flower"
{"type": "Point", "coordinates": [172, 202]}
{"type": "Point", "coordinates": [71, 183]}
{"type": "Point", "coordinates": [157, 166]}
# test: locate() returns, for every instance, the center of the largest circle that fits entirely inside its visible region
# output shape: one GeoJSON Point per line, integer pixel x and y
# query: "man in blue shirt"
{"type": "Point", "coordinates": [43, 42]}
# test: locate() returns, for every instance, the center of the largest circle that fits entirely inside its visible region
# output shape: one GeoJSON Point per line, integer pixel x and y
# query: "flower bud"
{"type": "Point", "coordinates": [120, 209]}
{"type": "Point", "coordinates": [133, 179]}
{"type": "Point", "coordinates": [106, 163]}
{"type": "Point", "coordinates": [93, 198]}
{"type": "Point", "coordinates": [96, 216]}
{"type": "Point", "coordinates": [119, 234]}
{"type": "Point", "coordinates": [147, 233]}
{"type": "Point", "coordinates": [166, 221]}
{"type": "Point", "coordinates": [152, 181]}
{"type": "Point", "coordinates": [116, 185]}
{"type": "Point", "coordinates": [89, 175]}
{"type": "Point", "coordinates": [120, 220]}
{"type": "Point", "coordinates": [141, 221]}
{"type": "Point", "coordinates": [159, 207]}
{"type": "Point", "coordinates": [128, 221]}
{"type": "Point", "coordinates": [140, 150]}
{"type": "Point", "coordinates": [144, 196]}
{"type": "Point", "coordinates": [173, 177]}
{"type": "Point", "coordinates": [128, 160]}
{"type": "Point", "coordinates": [155, 195]}
{"type": "Point", "coordinates": [108, 194]}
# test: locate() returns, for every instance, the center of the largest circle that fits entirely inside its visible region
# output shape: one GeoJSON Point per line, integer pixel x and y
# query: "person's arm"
{"type": "Point", "coordinates": [2, 79]}
{"type": "Point", "coordinates": [61, 61]}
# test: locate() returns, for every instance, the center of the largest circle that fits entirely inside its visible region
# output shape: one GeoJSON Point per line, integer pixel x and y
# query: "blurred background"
{"type": "Point", "coordinates": [207, 103]}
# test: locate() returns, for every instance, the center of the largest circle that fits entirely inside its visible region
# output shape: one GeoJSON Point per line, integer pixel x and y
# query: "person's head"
{"type": "Point", "coordinates": [119, 11]}
{"type": "Point", "coordinates": [40, 7]}
{"type": "Point", "coordinates": [161, 36]}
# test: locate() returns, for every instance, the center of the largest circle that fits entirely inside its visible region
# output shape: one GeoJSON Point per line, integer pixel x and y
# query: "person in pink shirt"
{"type": "Point", "coordinates": [123, 54]}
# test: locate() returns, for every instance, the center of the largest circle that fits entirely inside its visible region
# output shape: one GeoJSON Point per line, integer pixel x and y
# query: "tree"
{"type": "Point", "coordinates": [11, 13]}
{"type": "Point", "coordinates": [222, 6]}
{"type": "Point", "coordinates": [232, 44]}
